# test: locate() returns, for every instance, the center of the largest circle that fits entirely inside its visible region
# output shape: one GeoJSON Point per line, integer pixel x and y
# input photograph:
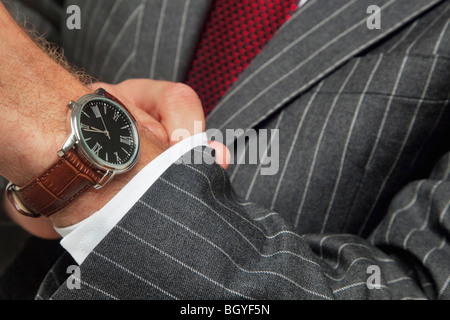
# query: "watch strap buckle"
{"type": "Point", "coordinates": [11, 194]}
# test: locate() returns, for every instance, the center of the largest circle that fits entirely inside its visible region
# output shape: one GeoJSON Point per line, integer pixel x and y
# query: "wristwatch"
{"type": "Point", "coordinates": [104, 142]}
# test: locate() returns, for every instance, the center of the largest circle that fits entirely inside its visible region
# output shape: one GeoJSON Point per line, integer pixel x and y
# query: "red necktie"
{"type": "Point", "coordinates": [234, 34]}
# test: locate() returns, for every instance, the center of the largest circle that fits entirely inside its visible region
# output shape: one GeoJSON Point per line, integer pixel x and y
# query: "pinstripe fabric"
{"type": "Point", "coordinates": [136, 38]}
{"type": "Point", "coordinates": [363, 174]}
{"type": "Point", "coordinates": [185, 260]}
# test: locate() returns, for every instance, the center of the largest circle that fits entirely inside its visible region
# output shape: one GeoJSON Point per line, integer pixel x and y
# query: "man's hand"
{"type": "Point", "coordinates": [35, 90]}
{"type": "Point", "coordinates": [159, 107]}
{"type": "Point", "coordinates": [164, 108]}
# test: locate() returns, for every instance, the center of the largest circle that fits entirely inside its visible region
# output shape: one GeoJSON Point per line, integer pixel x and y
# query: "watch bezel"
{"type": "Point", "coordinates": [110, 168]}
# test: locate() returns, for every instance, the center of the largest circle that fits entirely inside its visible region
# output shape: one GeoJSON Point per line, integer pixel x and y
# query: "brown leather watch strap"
{"type": "Point", "coordinates": [57, 187]}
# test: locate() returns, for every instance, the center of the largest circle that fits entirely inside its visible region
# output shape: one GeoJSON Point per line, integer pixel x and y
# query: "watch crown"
{"type": "Point", "coordinates": [71, 104]}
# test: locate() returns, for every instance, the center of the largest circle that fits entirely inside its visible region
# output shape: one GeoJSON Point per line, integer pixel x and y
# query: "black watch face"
{"type": "Point", "coordinates": [108, 132]}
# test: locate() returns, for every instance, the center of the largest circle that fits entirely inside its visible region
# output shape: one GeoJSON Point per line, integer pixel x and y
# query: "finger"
{"type": "Point", "coordinates": [180, 109]}
{"type": "Point", "coordinates": [222, 154]}
{"type": "Point", "coordinates": [143, 93]}
{"type": "Point", "coordinates": [175, 105]}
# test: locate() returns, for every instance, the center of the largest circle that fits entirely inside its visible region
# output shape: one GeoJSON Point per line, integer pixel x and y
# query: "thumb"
{"type": "Point", "coordinates": [181, 108]}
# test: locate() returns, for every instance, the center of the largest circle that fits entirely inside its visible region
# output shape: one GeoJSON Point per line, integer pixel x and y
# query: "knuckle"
{"type": "Point", "coordinates": [180, 96]}
{"type": "Point", "coordinates": [157, 130]}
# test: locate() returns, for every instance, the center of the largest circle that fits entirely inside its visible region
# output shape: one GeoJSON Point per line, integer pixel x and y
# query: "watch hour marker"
{"type": "Point", "coordinates": [125, 127]}
{"type": "Point", "coordinates": [85, 114]}
{"type": "Point", "coordinates": [84, 127]}
{"type": "Point", "coordinates": [116, 116]}
{"type": "Point", "coordinates": [96, 149]}
{"type": "Point", "coordinates": [96, 111]}
{"type": "Point", "coordinates": [126, 140]}
{"type": "Point", "coordinates": [117, 157]}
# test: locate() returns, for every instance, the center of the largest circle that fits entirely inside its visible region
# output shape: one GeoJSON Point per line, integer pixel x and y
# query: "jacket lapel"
{"type": "Point", "coordinates": [318, 39]}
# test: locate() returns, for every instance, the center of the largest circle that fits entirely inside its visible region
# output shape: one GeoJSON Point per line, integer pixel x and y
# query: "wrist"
{"type": "Point", "coordinates": [93, 200]}
{"type": "Point", "coordinates": [35, 91]}
{"type": "Point", "coordinates": [35, 138]}
{"type": "Point", "coordinates": [34, 112]}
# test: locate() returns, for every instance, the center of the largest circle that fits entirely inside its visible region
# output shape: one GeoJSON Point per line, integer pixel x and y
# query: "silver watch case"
{"type": "Point", "coordinates": [75, 139]}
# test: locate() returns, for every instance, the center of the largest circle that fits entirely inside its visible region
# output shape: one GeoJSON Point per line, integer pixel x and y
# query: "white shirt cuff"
{"type": "Point", "coordinates": [80, 239]}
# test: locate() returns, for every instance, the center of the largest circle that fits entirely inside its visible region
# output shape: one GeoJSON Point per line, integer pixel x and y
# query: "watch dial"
{"type": "Point", "coordinates": [108, 132]}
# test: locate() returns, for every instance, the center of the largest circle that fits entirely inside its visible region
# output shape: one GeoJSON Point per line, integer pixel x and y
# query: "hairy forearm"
{"type": "Point", "coordinates": [35, 90]}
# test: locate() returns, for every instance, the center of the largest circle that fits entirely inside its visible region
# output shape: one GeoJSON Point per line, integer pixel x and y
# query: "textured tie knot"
{"type": "Point", "coordinates": [235, 32]}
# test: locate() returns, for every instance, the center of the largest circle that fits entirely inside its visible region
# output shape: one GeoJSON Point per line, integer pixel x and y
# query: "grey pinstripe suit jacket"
{"type": "Point", "coordinates": [364, 167]}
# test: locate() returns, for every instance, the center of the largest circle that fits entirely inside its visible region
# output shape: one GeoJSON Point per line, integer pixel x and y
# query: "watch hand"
{"type": "Point", "coordinates": [104, 125]}
{"type": "Point", "coordinates": [92, 129]}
